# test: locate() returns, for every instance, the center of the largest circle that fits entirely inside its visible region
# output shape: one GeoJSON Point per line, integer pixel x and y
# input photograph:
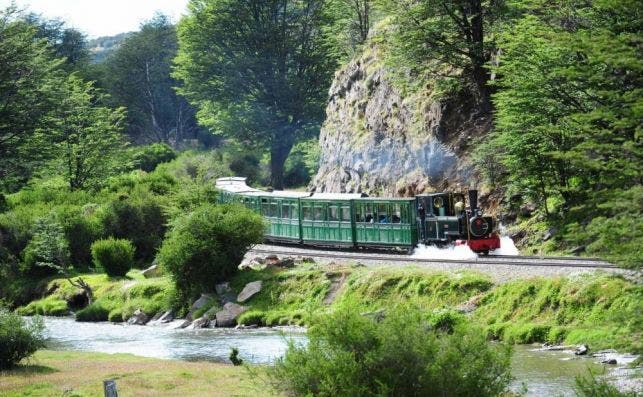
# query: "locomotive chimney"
{"type": "Point", "coordinates": [473, 199]}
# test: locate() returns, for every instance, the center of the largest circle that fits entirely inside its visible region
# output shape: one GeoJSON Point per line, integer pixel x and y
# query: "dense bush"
{"type": "Point", "coordinates": [48, 249]}
{"type": "Point", "coordinates": [18, 338]}
{"type": "Point", "coordinates": [94, 312]}
{"type": "Point", "coordinates": [114, 256]}
{"type": "Point", "coordinates": [594, 387]}
{"type": "Point", "coordinates": [206, 246]}
{"type": "Point", "coordinates": [81, 228]}
{"type": "Point", "coordinates": [149, 156]}
{"type": "Point", "coordinates": [138, 218]}
{"type": "Point", "coordinates": [349, 354]}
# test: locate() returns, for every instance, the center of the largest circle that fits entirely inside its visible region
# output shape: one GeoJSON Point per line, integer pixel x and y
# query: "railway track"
{"type": "Point", "coordinates": [508, 260]}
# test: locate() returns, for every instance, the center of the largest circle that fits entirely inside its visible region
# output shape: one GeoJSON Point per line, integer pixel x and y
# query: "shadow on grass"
{"type": "Point", "coordinates": [30, 369]}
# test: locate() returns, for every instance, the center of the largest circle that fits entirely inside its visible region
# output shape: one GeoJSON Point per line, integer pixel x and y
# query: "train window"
{"type": "Point", "coordinates": [359, 213]}
{"type": "Point", "coordinates": [318, 213]}
{"type": "Point", "coordinates": [265, 207]}
{"type": "Point", "coordinates": [396, 214]}
{"type": "Point", "coordinates": [274, 210]}
{"type": "Point", "coordinates": [333, 213]}
{"type": "Point", "coordinates": [382, 214]}
{"type": "Point", "coordinates": [346, 214]}
{"type": "Point", "coordinates": [306, 212]}
{"type": "Point", "coordinates": [368, 213]}
{"type": "Point", "coordinates": [285, 210]}
{"type": "Point", "coordinates": [294, 214]}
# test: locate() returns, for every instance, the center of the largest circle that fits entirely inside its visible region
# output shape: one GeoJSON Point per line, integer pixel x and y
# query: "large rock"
{"type": "Point", "coordinates": [380, 140]}
{"type": "Point", "coordinates": [249, 290]}
{"type": "Point", "coordinates": [152, 271]}
{"type": "Point", "coordinates": [202, 301]}
{"type": "Point", "coordinates": [228, 316]}
{"type": "Point", "coordinates": [201, 322]}
{"type": "Point", "coordinates": [138, 318]}
{"type": "Point", "coordinates": [222, 288]}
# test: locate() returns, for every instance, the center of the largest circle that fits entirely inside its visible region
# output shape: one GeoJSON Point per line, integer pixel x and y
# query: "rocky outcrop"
{"type": "Point", "coordinates": [379, 141]}
{"type": "Point", "coordinates": [138, 318]}
{"type": "Point", "coordinates": [152, 271]}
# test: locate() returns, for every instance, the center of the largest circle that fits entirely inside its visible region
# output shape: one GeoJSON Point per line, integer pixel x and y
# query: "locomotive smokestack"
{"type": "Point", "coordinates": [473, 199]}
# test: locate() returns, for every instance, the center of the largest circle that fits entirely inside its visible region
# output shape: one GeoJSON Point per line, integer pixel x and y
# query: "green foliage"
{"type": "Point", "coordinates": [48, 249]}
{"type": "Point", "coordinates": [90, 135]}
{"type": "Point", "coordinates": [148, 157]}
{"type": "Point", "coordinates": [137, 75]}
{"type": "Point", "coordinates": [302, 164]}
{"type": "Point", "coordinates": [139, 218]}
{"type": "Point", "coordinates": [206, 246]}
{"type": "Point", "coordinates": [599, 310]}
{"type": "Point", "coordinates": [18, 338]}
{"type": "Point", "coordinates": [114, 256]}
{"type": "Point", "coordinates": [93, 313]}
{"type": "Point", "coordinates": [350, 355]}
{"type": "Point", "coordinates": [258, 72]}
{"type": "Point", "coordinates": [591, 386]}
{"type": "Point", "coordinates": [46, 307]}
{"type": "Point", "coordinates": [234, 357]}
{"type": "Point", "coordinates": [27, 100]}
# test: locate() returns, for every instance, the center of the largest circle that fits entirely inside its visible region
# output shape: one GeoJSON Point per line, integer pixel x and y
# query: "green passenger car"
{"type": "Point", "coordinates": [327, 220]}
{"type": "Point", "coordinates": [385, 222]}
{"type": "Point", "coordinates": [281, 211]}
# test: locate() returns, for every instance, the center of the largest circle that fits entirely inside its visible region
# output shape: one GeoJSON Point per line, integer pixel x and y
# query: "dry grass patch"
{"type": "Point", "coordinates": [51, 373]}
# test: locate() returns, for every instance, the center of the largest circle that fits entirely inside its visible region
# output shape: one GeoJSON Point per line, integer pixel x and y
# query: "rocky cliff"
{"type": "Point", "coordinates": [380, 141]}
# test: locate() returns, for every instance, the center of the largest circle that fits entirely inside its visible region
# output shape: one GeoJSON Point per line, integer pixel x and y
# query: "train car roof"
{"type": "Point", "coordinates": [386, 199]}
{"type": "Point", "coordinates": [336, 196]}
{"type": "Point", "coordinates": [234, 184]}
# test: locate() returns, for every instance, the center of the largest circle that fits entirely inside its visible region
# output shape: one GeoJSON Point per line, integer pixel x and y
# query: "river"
{"type": "Point", "coordinates": [542, 373]}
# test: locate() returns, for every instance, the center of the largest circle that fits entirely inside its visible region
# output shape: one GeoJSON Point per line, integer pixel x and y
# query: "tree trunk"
{"type": "Point", "coordinates": [279, 151]}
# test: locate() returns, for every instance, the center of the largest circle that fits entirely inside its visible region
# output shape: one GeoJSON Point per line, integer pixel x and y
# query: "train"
{"type": "Point", "coordinates": [355, 220]}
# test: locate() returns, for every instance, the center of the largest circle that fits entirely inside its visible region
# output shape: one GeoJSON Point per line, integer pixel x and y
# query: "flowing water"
{"type": "Point", "coordinates": [542, 373]}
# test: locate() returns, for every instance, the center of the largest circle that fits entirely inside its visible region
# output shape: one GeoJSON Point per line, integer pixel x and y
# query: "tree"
{"type": "Point", "coordinates": [568, 108]}
{"type": "Point", "coordinates": [433, 34]}
{"type": "Point", "coordinates": [29, 79]}
{"type": "Point", "coordinates": [257, 71]}
{"type": "Point", "coordinates": [352, 22]}
{"type": "Point", "coordinates": [90, 138]}
{"type": "Point", "coordinates": [138, 77]}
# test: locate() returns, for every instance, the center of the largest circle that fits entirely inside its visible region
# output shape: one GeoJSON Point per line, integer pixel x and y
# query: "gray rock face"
{"type": "Point", "coordinates": [228, 316]}
{"type": "Point", "coordinates": [374, 140]}
{"type": "Point", "coordinates": [249, 290]}
{"type": "Point", "coordinates": [201, 322]}
{"type": "Point", "coordinates": [152, 271]}
{"type": "Point", "coordinates": [202, 301]}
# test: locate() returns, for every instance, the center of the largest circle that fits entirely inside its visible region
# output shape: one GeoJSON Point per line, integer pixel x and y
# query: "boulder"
{"type": "Point", "coordinates": [166, 317]}
{"type": "Point", "coordinates": [138, 318]}
{"type": "Point", "coordinates": [549, 233]}
{"type": "Point", "coordinates": [577, 250]}
{"type": "Point", "coordinates": [249, 290]}
{"type": "Point", "coordinates": [152, 271]}
{"type": "Point", "coordinates": [581, 350]}
{"type": "Point", "coordinates": [201, 322]}
{"type": "Point", "coordinates": [156, 317]}
{"type": "Point", "coordinates": [202, 301]}
{"type": "Point", "coordinates": [228, 316]}
{"type": "Point", "coordinates": [610, 361]}
{"type": "Point", "coordinates": [286, 262]}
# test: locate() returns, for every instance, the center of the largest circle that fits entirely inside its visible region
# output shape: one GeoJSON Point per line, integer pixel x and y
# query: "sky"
{"type": "Point", "coordinates": [98, 18]}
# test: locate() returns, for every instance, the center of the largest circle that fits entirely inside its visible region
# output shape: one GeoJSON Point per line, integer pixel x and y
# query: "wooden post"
{"type": "Point", "coordinates": [109, 386]}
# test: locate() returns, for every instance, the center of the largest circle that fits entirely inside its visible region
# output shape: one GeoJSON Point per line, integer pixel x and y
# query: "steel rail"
{"type": "Point", "coordinates": [511, 261]}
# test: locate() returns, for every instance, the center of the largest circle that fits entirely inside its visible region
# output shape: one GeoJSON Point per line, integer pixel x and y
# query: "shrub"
{"type": "Point", "coordinates": [18, 338]}
{"type": "Point", "coordinates": [149, 156]}
{"type": "Point", "coordinates": [138, 218]}
{"type": "Point", "coordinates": [592, 387]}
{"type": "Point", "coordinates": [94, 312]}
{"type": "Point", "coordinates": [45, 307]}
{"type": "Point", "coordinates": [114, 256]}
{"type": "Point", "coordinates": [81, 230]}
{"type": "Point", "coordinates": [206, 246]}
{"type": "Point", "coordinates": [48, 249]}
{"type": "Point", "coordinates": [351, 355]}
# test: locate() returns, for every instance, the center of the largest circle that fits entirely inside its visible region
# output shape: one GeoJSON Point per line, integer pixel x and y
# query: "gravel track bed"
{"type": "Point", "coordinates": [499, 273]}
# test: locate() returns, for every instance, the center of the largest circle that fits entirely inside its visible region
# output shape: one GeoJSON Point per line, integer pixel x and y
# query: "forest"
{"type": "Point", "coordinates": [110, 148]}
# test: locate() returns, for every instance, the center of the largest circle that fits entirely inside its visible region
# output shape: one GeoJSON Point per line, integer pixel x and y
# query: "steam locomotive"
{"type": "Point", "coordinates": [358, 221]}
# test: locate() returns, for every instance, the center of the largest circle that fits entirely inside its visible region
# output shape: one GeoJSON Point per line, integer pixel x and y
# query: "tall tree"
{"type": "Point", "coordinates": [138, 77]}
{"type": "Point", "coordinates": [257, 71]}
{"type": "Point", "coordinates": [30, 77]}
{"type": "Point", "coordinates": [456, 33]}
{"type": "Point", "coordinates": [90, 135]}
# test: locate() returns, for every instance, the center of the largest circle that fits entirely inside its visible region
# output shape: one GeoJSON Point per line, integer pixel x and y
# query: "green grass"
{"type": "Point", "coordinates": [115, 299]}
{"type": "Point", "coordinates": [599, 309]}
{"type": "Point", "coordinates": [52, 373]}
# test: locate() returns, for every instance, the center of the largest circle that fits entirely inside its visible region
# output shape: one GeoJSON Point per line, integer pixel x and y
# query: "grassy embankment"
{"type": "Point", "coordinates": [50, 373]}
{"type": "Point", "coordinates": [599, 309]}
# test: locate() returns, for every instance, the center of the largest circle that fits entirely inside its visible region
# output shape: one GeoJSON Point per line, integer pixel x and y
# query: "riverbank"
{"type": "Point", "coordinates": [81, 374]}
{"type": "Point", "coordinates": [598, 309]}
